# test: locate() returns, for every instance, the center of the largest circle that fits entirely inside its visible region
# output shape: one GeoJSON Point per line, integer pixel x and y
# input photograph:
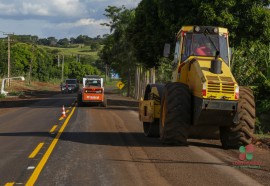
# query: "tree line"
{"type": "Point", "coordinates": [94, 43]}
{"type": "Point", "coordinates": [138, 37]}
{"type": "Point", "coordinates": [44, 64]}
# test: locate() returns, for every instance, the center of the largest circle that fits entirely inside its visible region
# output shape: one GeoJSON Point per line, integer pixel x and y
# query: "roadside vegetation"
{"type": "Point", "coordinates": [74, 50]}
{"type": "Point", "coordinates": [41, 59]}
{"type": "Point", "coordinates": [22, 89]}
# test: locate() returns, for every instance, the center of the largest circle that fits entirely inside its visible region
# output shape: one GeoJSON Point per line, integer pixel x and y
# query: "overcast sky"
{"type": "Point", "coordinates": [57, 18]}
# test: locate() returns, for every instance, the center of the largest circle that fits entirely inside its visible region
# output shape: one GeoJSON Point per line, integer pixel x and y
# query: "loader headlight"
{"type": "Point", "coordinates": [215, 30]}
{"type": "Point", "coordinates": [204, 91]}
{"type": "Point", "coordinates": [236, 92]}
{"type": "Point", "coordinates": [197, 28]}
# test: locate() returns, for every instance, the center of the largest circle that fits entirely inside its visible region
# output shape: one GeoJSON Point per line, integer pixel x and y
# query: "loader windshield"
{"type": "Point", "coordinates": [204, 45]}
{"type": "Point", "coordinates": [91, 82]}
{"type": "Point", "coordinates": [200, 44]}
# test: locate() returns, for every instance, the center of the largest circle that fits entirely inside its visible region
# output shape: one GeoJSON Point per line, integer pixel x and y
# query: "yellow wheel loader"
{"type": "Point", "coordinates": [203, 93]}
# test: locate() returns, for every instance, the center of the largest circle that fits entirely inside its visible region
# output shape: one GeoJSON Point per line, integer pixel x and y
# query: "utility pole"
{"type": "Point", "coordinates": [31, 62]}
{"type": "Point", "coordinates": [8, 60]}
{"type": "Point", "coordinates": [8, 36]}
{"type": "Point", "coordinates": [106, 72]}
{"type": "Point", "coordinates": [129, 76]}
{"type": "Point", "coordinates": [63, 60]}
{"type": "Point", "coordinates": [58, 60]}
{"type": "Point", "coordinates": [268, 64]}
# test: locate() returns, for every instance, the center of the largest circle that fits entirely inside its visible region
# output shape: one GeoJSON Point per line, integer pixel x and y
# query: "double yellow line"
{"type": "Point", "coordinates": [33, 178]}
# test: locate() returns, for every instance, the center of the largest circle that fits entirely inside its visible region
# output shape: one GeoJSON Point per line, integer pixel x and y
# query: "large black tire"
{"type": "Point", "coordinates": [175, 115]}
{"type": "Point", "coordinates": [241, 132]}
{"type": "Point", "coordinates": [151, 129]}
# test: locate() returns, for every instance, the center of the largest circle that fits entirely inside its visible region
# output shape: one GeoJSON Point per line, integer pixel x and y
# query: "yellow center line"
{"type": "Point", "coordinates": [47, 154]}
{"type": "Point", "coordinates": [53, 128]}
{"type": "Point", "coordinates": [10, 184]}
{"type": "Point", "coordinates": [37, 149]}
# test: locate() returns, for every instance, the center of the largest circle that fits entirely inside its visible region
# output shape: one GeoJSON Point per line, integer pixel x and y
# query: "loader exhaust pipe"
{"type": "Point", "coordinates": [216, 65]}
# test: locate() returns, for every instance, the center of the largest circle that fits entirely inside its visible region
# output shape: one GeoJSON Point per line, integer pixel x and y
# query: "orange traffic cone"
{"type": "Point", "coordinates": [63, 112]}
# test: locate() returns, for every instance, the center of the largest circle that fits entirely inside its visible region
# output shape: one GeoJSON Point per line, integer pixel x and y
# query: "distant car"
{"type": "Point", "coordinates": [70, 86]}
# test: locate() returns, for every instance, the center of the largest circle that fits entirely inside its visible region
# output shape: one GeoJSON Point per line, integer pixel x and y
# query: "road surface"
{"type": "Point", "coordinates": [106, 146]}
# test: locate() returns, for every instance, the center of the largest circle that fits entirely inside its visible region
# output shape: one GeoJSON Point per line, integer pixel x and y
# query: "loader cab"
{"type": "Point", "coordinates": [202, 41]}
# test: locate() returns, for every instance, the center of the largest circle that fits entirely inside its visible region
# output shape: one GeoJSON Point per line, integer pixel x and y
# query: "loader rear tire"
{"type": "Point", "coordinates": [241, 133]}
{"type": "Point", "coordinates": [175, 116]}
{"type": "Point", "coordinates": [151, 129]}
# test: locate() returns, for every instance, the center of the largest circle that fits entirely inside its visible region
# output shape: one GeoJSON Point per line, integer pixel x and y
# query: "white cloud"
{"type": "Point", "coordinates": [28, 9]}
{"type": "Point", "coordinates": [90, 27]}
{"type": "Point", "coordinates": [7, 9]}
{"type": "Point", "coordinates": [83, 22]}
{"type": "Point", "coordinates": [58, 18]}
{"type": "Point", "coordinates": [127, 3]}
{"type": "Point", "coordinates": [72, 8]}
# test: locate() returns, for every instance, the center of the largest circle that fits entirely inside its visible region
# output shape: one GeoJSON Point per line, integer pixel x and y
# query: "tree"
{"type": "Point", "coordinates": [118, 51]}
{"type": "Point", "coordinates": [157, 22]}
{"type": "Point", "coordinates": [52, 41]}
{"type": "Point", "coordinates": [95, 46]}
{"type": "Point", "coordinates": [246, 20]}
{"type": "Point", "coordinates": [148, 35]}
{"type": "Point", "coordinates": [63, 42]}
{"type": "Point", "coordinates": [21, 56]}
{"type": "Point", "coordinates": [72, 40]}
{"type": "Point", "coordinates": [3, 58]}
{"type": "Point", "coordinates": [82, 39]}
{"type": "Point", "coordinates": [78, 70]}
{"type": "Point", "coordinates": [43, 41]}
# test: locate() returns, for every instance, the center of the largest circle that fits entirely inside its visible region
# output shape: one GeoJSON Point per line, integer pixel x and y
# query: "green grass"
{"type": "Point", "coordinates": [80, 49]}
{"type": "Point", "coordinates": [19, 93]}
{"type": "Point", "coordinates": [2, 96]}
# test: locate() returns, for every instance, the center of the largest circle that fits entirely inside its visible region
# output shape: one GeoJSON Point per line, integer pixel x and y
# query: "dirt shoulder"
{"type": "Point", "coordinates": [22, 94]}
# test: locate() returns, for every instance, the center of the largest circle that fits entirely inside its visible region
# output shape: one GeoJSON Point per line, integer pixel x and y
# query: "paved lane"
{"type": "Point", "coordinates": [22, 130]}
{"type": "Point", "coordinates": [105, 146]}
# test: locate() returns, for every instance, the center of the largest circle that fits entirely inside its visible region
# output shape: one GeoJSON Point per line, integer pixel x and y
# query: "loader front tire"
{"type": "Point", "coordinates": [151, 129]}
{"type": "Point", "coordinates": [175, 116]}
{"type": "Point", "coordinates": [241, 132]}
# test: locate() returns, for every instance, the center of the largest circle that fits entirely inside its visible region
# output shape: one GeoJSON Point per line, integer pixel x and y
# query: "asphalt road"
{"type": "Point", "coordinates": [106, 146]}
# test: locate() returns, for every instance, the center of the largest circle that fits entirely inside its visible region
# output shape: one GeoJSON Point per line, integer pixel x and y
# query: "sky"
{"type": "Point", "coordinates": [57, 18]}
